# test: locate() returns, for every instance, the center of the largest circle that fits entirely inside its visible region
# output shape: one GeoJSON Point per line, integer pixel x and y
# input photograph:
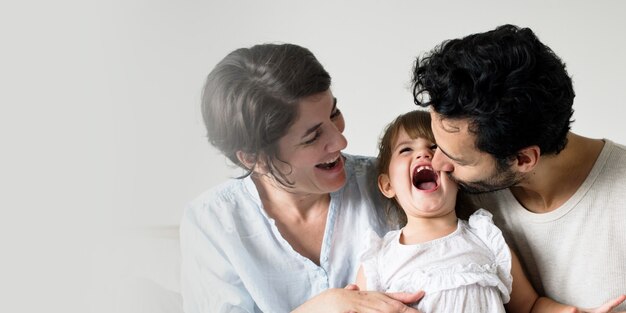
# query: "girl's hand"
{"type": "Point", "coordinates": [605, 308]}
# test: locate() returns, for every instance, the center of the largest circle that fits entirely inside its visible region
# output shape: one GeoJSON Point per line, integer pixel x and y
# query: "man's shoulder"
{"type": "Point", "coordinates": [617, 150]}
{"type": "Point", "coordinates": [610, 163]}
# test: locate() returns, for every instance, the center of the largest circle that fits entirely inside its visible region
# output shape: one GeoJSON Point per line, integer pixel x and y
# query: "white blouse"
{"type": "Point", "coordinates": [234, 259]}
{"type": "Point", "coordinates": [466, 271]}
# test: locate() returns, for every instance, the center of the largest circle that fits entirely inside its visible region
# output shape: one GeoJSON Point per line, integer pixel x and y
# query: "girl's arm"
{"type": "Point", "coordinates": [524, 298]}
{"type": "Point", "coordinates": [361, 282]}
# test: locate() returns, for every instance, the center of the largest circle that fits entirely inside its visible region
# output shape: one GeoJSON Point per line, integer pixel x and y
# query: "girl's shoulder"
{"type": "Point", "coordinates": [481, 225]}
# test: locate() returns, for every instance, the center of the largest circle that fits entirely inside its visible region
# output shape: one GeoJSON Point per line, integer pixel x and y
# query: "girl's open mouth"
{"type": "Point", "coordinates": [425, 178]}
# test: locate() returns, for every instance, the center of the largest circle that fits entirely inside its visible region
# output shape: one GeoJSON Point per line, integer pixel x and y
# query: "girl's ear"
{"type": "Point", "coordinates": [384, 184]}
{"type": "Point", "coordinates": [527, 159]}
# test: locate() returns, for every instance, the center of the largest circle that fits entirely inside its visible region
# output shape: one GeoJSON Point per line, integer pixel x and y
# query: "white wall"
{"type": "Point", "coordinates": [100, 121]}
{"type": "Point", "coordinates": [156, 57]}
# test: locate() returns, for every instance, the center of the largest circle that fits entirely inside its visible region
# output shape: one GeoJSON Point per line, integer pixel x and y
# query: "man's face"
{"type": "Point", "coordinates": [475, 171]}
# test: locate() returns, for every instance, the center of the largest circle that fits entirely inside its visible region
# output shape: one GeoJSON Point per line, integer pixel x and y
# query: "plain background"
{"type": "Point", "coordinates": [100, 125]}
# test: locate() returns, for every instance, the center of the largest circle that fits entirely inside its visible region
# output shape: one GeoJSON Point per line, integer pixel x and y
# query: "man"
{"type": "Point", "coordinates": [501, 107]}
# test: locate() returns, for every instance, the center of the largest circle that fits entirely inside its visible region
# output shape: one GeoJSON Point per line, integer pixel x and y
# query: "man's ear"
{"type": "Point", "coordinates": [527, 159]}
{"type": "Point", "coordinates": [384, 184]}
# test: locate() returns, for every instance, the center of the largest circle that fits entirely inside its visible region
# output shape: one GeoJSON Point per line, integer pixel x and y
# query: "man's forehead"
{"type": "Point", "coordinates": [456, 135]}
{"type": "Point", "coordinates": [450, 125]}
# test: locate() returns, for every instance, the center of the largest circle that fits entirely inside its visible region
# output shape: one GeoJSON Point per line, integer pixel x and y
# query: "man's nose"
{"type": "Point", "coordinates": [441, 162]}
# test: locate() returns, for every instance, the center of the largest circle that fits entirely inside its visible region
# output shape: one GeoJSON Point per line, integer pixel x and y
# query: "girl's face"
{"type": "Point", "coordinates": [312, 147]}
{"type": "Point", "coordinates": [420, 191]}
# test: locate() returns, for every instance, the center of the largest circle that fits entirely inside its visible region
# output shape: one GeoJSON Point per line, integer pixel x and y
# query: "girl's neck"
{"type": "Point", "coordinates": [424, 229]}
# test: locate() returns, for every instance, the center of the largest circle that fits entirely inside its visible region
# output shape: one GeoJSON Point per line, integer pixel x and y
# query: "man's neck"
{"type": "Point", "coordinates": [556, 178]}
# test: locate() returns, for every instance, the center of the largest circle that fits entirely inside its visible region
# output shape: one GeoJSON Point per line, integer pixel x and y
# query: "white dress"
{"type": "Point", "coordinates": [466, 271]}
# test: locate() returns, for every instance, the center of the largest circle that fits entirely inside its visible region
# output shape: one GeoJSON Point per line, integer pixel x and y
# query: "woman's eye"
{"type": "Point", "coordinates": [335, 113]}
{"type": "Point", "coordinates": [312, 140]}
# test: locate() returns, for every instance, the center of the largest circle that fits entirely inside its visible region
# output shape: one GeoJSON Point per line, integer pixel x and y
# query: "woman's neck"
{"type": "Point", "coordinates": [300, 218]}
{"type": "Point", "coordinates": [281, 203]}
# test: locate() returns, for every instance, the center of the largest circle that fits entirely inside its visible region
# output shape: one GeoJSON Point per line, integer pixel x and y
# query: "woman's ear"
{"type": "Point", "coordinates": [384, 184]}
{"type": "Point", "coordinates": [527, 159]}
{"type": "Point", "coordinates": [248, 160]}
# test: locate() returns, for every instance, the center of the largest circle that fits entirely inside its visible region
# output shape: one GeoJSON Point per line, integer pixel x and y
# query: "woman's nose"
{"type": "Point", "coordinates": [337, 142]}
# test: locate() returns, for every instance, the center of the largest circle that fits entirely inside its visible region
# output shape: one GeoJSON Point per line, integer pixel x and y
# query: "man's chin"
{"type": "Point", "coordinates": [478, 189]}
{"type": "Point", "coordinates": [502, 181]}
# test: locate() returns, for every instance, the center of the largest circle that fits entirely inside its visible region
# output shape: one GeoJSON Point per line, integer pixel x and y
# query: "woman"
{"type": "Point", "coordinates": [283, 237]}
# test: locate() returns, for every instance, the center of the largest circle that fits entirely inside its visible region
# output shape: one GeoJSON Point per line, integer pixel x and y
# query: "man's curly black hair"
{"type": "Point", "coordinates": [513, 89]}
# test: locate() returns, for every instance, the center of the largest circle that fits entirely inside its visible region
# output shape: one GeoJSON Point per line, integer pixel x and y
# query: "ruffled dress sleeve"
{"type": "Point", "coordinates": [370, 260]}
{"type": "Point", "coordinates": [481, 224]}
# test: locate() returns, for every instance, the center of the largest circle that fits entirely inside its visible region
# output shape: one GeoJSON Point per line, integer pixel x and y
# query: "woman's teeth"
{"type": "Point", "coordinates": [328, 165]}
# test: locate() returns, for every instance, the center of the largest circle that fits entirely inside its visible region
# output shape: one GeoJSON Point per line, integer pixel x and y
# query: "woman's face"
{"type": "Point", "coordinates": [312, 146]}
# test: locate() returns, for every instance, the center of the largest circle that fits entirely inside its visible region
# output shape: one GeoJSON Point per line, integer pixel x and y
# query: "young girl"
{"type": "Point", "coordinates": [463, 266]}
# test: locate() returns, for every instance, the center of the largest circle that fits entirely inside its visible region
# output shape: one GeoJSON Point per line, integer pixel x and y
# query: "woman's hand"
{"type": "Point", "coordinates": [351, 299]}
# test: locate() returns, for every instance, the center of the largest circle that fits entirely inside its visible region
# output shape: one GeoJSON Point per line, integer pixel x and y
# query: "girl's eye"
{"type": "Point", "coordinates": [433, 147]}
{"type": "Point", "coordinates": [406, 149]}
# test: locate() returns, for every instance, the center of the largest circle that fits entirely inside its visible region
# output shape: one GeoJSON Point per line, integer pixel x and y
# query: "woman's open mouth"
{"type": "Point", "coordinates": [329, 165]}
{"type": "Point", "coordinates": [425, 178]}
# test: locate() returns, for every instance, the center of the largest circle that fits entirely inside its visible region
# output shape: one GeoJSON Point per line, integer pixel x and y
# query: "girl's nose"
{"type": "Point", "coordinates": [424, 154]}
